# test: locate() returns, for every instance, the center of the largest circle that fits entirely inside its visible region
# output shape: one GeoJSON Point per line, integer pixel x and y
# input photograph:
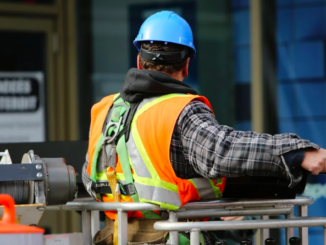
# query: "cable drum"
{"type": "Point", "coordinates": [52, 182]}
{"type": "Point", "coordinates": [19, 190]}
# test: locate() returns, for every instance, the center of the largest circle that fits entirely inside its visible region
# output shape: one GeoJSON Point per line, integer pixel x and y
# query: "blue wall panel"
{"type": "Point", "coordinates": [243, 125]}
{"type": "Point", "coordinates": [311, 99]}
{"type": "Point", "coordinates": [241, 27]}
{"type": "Point", "coordinates": [301, 34]}
{"type": "Point", "coordinates": [286, 100]}
{"type": "Point", "coordinates": [286, 126]}
{"type": "Point", "coordinates": [313, 130]}
{"type": "Point", "coordinates": [284, 25]}
{"type": "Point", "coordinates": [242, 65]}
{"type": "Point", "coordinates": [283, 2]}
{"type": "Point", "coordinates": [284, 63]}
{"type": "Point", "coordinates": [308, 60]}
{"type": "Point", "coordinates": [240, 4]}
{"type": "Point", "coordinates": [308, 22]}
{"type": "Point", "coordinates": [297, 2]}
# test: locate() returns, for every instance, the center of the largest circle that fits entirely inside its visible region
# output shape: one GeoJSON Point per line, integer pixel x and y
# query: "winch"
{"type": "Point", "coordinates": [37, 180]}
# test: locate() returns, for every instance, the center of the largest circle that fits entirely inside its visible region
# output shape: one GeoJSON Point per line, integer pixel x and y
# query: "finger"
{"type": "Point", "coordinates": [316, 169]}
{"type": "Point", "coordinates": [232, 218]}
{"type": "Point", "coordinates": [239, 218]}
{"type": "Point", "coordinates": [315, 172]}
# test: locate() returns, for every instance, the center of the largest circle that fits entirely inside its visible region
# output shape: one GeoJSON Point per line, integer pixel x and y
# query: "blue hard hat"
{"type": "Point", "coordinates": [166, 26]}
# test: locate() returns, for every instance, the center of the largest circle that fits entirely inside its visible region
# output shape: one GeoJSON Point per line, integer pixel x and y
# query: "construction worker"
{"type": "Point", "coordinates": [158, 141]}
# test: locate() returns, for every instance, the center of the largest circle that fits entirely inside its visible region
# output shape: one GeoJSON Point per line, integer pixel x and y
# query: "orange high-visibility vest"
{"type": "Point", "coordinates": [149, 153]}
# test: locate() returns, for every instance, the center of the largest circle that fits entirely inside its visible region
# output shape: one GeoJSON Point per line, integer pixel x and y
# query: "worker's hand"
{"type": "Point", "coordinates": [314, 161]}
{"type": "Point", "coordinates": [232, 218]}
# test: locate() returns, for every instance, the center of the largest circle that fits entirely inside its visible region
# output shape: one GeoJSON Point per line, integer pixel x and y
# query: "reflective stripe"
{"type": "Point", "coordinates": [136, 159]}
{"type": "Point", "coordinates": [120, 176]}
{"type": "Point", "coordinates": [204, 188]}
{"type": "Point", "coordinates": [155, 182]}
{"type": "Point", "coordinates": [101, 176]}
{"type": "Point", "coordinates": [158, 195]}
{"type": "Point", "coordinates": [216, 189]}
{"type": "Point", "coordinates": [155, 101]}
{"type": "Point", "coordinates": [162, 205]}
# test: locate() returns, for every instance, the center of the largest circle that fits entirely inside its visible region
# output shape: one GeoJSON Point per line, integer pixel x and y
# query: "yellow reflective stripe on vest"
{"type": "Point", "coordinates": [162, 205]}
{"type": "Point", "coordinates": [157, 100]}
{"type": "Point", "coordinates": [158, 194]}
{"type": "Point", "coordinates": [102, 176]}
{"type": "Point", "coordinates": [120, 176]}
{"type": "Point", "coordinates": [153, 182]}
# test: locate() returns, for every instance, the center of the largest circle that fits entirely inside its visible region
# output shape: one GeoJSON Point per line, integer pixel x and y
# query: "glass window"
{"type": "Point", "coordinates": [221, 70]}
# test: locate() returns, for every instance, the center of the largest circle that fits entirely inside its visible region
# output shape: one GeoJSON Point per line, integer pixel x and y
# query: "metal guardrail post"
{"type": "Point", "coordinates": [122, 227]}
{"type": "Point", "coordinates": [194, 236]}
{"type": "Point", "coordinates": [95, 222]}
{"type": "Point", "coordinates": [86, 227]}
{"type": "Point", "coordinates": [264, 233]}
{"type": "Point", "coordinates": [289, 231]}
{"type": "Point", "coordinates": [173, 235]}
{"type": "Point", "coordinates": [303, 212]}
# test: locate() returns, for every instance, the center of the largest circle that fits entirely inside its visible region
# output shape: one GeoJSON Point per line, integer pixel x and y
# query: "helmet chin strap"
{"type": "Point", "coordinates": [163, 57]}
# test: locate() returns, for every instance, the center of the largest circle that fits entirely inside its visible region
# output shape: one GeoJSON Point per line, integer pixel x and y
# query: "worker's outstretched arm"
{"type": "Point", "coordinates": [216, 150]}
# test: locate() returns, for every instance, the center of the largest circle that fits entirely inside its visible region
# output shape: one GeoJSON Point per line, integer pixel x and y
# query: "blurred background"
{"type": "Point", "coordinates": [260, 63]}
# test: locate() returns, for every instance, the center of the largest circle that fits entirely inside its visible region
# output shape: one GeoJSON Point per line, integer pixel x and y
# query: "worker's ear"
{"type": "Point", "coordinates": [185, 69]}
{"type": "Point", "coordinates": [138, 62]}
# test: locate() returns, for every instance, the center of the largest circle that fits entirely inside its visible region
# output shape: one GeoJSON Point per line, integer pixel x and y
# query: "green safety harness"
{"type": "Point", "coordinates": [112, 141]}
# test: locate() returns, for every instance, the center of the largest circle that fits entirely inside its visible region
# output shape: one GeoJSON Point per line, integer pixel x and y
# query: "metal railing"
{"type": "Point", "coordinates": [225, 207]}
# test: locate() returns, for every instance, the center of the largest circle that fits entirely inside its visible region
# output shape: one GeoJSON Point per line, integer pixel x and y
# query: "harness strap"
{"type": "Point", "coordinates": [103, 187]}
{"type": "Point", "coordinates": [114, 137]}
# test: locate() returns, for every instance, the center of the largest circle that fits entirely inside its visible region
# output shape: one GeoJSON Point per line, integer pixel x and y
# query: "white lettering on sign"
{"type": "Point", "coordinates": [22, 107]}
{"type": "Point", "coordinates": [16, 103]}
{"type": "Point", "coordinates": [17, 86]}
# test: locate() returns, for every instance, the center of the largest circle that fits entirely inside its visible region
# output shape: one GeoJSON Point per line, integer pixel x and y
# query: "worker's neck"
{"type": "Point", "coordinates": [176, 75]}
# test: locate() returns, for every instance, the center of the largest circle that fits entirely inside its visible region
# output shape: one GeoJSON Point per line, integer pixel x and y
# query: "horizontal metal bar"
{"type": "Point", "coordinates": [16, 172]}
{"type": "Point", "coordinates": [113, 206]}
{"type": "Point", "coordinates": [223, 203]}
{"type": "Point", "coordinates": [227, 212]}
{"type": "Point", "coordinates": [90, 204]}
{"type": "Point", "coordinates": [240, 225]}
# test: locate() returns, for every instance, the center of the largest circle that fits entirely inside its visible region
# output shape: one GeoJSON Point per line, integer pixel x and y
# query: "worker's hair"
{"type": "Point", "coordinates": [160, 46]}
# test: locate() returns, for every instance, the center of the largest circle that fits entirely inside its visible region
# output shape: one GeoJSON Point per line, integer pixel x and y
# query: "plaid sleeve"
{"type": "Point", "coordinates": [216, 150]}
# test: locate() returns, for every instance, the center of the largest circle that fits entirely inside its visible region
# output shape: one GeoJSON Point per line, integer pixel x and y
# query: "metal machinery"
{"type": "Point", "coordinates": [36, 183]}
